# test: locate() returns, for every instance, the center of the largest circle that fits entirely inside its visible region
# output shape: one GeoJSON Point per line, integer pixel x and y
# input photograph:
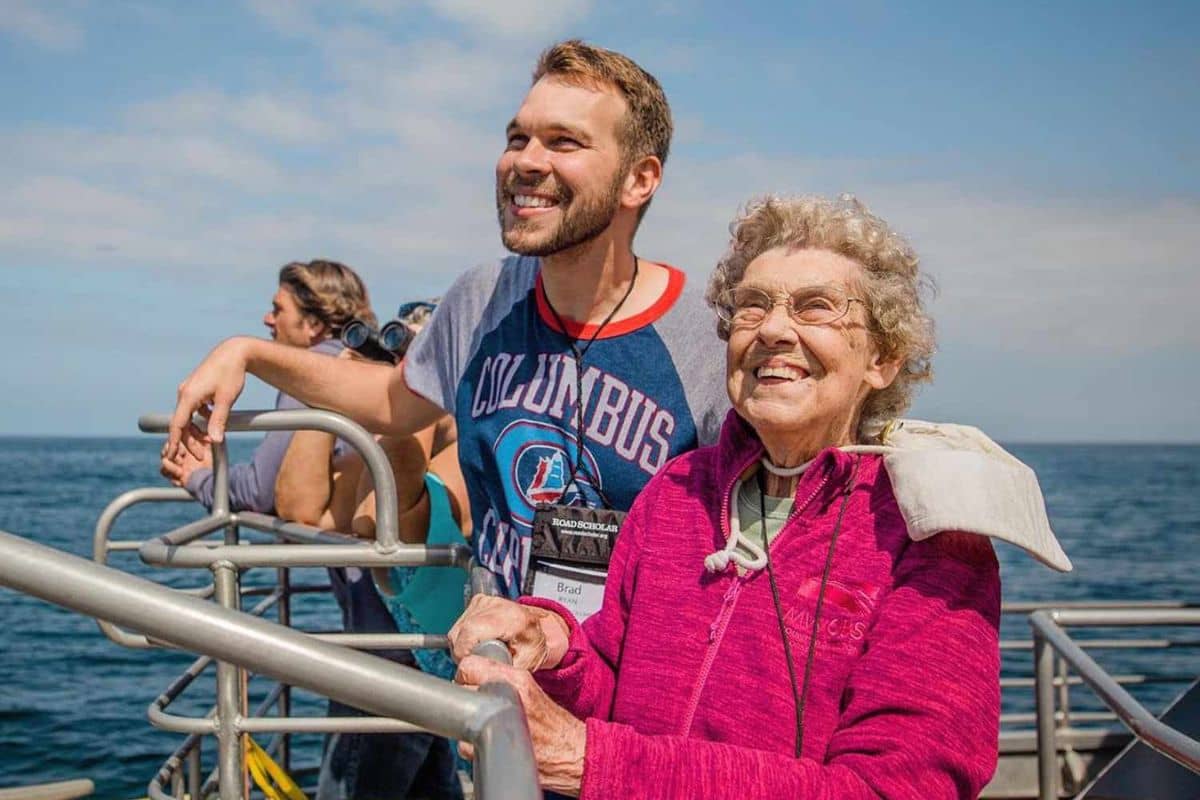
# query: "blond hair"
{"type": "Point", "coordinates": [891, 285]}
{"type": "Point", "coordinates": [328, 291]}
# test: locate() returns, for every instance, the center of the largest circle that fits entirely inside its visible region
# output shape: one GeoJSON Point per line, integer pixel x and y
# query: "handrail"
{"type": "Point", "coordinates": [101, 547]}
{"type": "Point", "coordinates": [386, 514]}
{"type": "Point", "coordinates": [491, 719]}
{"type": "Point", "coordinates": [1050, 638]}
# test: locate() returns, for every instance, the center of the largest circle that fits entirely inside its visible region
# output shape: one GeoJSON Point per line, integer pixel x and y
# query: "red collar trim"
{"type": "Point", "coordinates": [675, 281]}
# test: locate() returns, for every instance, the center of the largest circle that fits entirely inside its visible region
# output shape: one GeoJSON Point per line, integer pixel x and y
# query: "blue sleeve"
{"type": "Point", "coordinates": [251, 484]}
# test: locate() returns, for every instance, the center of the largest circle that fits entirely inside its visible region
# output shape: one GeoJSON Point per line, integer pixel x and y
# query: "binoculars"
{"type": "Point", "coordinates": [388, 344]}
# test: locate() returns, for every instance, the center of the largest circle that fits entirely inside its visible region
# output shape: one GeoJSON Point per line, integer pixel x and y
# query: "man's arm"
{"type": "Point", "coordinates": [304, 485]}
{"type": "Point", "coordinates": [374, 395]}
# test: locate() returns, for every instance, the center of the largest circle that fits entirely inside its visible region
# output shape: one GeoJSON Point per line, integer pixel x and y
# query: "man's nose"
{"type": "Point", "coordinates": [532, 159]}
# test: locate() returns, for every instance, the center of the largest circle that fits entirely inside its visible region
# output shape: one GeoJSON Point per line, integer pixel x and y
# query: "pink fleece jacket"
{"type": "Point", "coordinates": [682, 678]}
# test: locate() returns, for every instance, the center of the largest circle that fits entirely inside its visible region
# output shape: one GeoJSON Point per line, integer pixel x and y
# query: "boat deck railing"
{"type": "Point", "coordinates": [209, 619]}
{"type": "Point", "coordinates": [1056, 655]}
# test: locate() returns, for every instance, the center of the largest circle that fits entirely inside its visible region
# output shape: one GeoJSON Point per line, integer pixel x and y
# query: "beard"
{"type": "Point", "coordinates": [583, 218]}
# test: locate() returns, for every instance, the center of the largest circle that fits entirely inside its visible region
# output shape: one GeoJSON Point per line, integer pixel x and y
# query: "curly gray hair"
{"type": "Point", "coordinates": [892, 285]}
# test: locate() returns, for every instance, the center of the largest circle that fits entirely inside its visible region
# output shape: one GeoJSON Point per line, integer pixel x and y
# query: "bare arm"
{"type": "Point", "coordinates": [374, 395]}
{"type": "Point", "coordinates": [304, 485]}
{"type": "Point", "coordinates": [409, 458]}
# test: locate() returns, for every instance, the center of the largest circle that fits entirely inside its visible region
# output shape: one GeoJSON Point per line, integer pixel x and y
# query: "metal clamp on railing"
{"type": "Point", "coordinates": [1050, 638]}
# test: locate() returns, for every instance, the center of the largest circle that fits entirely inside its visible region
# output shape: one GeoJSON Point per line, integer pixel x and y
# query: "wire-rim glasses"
{"type": "Point", "coordinates": [809, 305]}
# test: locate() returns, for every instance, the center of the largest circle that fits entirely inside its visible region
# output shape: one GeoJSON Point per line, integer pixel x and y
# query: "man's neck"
{"type": "Point", "coordinates": [587, 281]}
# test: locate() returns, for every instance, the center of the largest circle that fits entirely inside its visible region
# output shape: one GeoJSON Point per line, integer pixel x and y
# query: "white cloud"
{"type": "Point", "coordinates": [287, 119]}
{"type": "Point", "coordinates": [44, 24]}
{"type": "Point", "coordinates": [514, 18]}
{"type": "Point", "coordinates": [1055, 274]}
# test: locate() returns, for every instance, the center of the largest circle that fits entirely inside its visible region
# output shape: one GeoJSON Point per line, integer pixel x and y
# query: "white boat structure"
{"type": "Point", "coordinates": [1049, 748]}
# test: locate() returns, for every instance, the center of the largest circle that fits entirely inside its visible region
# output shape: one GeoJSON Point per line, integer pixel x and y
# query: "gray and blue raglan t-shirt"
{"type": "Point", "coordinates": [493, 356]}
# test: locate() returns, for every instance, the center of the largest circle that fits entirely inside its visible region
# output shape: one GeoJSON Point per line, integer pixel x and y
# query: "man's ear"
{"type": "Point", "coordinates": [641, 181]}
{"type": "Point", "coordinates": [316, 329]}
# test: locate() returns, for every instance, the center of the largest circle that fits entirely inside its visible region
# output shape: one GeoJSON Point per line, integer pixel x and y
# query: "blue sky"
{"type": "Point", "coordinates": [162, 160]}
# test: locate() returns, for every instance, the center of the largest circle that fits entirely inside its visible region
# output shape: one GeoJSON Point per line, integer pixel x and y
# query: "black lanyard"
{"type": "Point", "coordinates": [579, 402]}
{"type": "Point", "coordinates": [800, 694]}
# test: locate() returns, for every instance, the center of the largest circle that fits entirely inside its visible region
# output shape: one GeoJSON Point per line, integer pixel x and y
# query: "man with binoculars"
{"type": "Point", "coordinates": [314, 301]}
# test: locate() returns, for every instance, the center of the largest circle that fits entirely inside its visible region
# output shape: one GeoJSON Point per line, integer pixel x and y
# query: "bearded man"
{"type": "Point", "coordinates": [574, 369]}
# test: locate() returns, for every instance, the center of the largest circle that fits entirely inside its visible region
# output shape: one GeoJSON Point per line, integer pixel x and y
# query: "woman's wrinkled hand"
{"type": "Point", "coordinates": [559, 739]}
{"type": "Point", "coordinates": [536, 638]}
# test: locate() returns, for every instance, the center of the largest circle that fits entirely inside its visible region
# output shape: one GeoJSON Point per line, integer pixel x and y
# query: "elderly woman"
{"type": "Point", "coordinates": [769, 628]}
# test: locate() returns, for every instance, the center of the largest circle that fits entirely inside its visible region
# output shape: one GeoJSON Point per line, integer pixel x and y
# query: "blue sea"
{"type": "Point", "coordinates": [73, 704]}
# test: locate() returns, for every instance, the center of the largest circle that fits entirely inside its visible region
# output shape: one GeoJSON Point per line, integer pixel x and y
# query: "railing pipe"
{"type": "Point", "coordinates": [229, 709]}
{"type": "Point", "coordinates": [220, 468]}
{"type": "Point", "coordinates": [490, 721]}
{"type": "Point", "coordinates": [1047, 745]}
{"type": "Point", "coordinates": [386, 516]}
{"type": "Point", "coordinates": [102, 546]}
{"type": "Point", "coordinates": [1156, 734]}
{"type": "Point", "coordinates": [159, 553]}
{"type": "Point", "coordinates": [283, 579]}
{"type": "Point", "coordinates": [1100, 617]}
{"type": "Point", "coordinates": [193, 769]}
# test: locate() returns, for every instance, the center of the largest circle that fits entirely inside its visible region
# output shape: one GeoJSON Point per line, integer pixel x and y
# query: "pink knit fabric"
{"type": "Point", "coordinates": [682, 677]}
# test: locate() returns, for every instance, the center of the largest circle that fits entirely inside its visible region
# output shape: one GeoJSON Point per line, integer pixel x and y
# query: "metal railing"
{"type": "Point", "coordinates": [491, 718]}
{"type": "Point", "coordinates": [1054, 651]}
{"type": "Point", "coordinates": [185, 547]}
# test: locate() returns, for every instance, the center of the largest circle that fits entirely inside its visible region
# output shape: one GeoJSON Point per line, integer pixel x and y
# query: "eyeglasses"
{"type": "Point", "coordinates": [811, 305]}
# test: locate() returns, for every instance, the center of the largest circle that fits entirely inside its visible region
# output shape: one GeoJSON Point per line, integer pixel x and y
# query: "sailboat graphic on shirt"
{"type": "Point", "coordinates": [549, 479]}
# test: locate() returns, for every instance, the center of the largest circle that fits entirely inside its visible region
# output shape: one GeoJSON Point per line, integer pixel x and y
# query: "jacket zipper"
{"type": "Point", "coordinates": [716, 632]}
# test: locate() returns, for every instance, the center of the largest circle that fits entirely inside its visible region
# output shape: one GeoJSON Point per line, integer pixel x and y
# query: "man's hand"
{"type": "Point", "coordinates": [559, 739]}
{"type": "Point", "coordinates": [537, 638]}
{"type": "Point", "coordinates": [211, 390]}
{"type": "Point", "coordinates": [179, 469]}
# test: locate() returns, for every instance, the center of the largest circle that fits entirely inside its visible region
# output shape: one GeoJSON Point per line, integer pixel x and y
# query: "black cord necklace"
{"type": "Point", "coordinates": [800, 694]}
{"type": "Point", "coordinates": [579, 401]}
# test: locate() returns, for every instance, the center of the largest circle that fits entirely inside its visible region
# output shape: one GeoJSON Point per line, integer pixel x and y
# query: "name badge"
{"type": "Point", "coordinates": [568, 560]}
{"type": "Point", "coordinates": [581, 590]}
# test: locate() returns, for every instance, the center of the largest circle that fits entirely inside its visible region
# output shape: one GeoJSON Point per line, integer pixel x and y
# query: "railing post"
{"type": "Point", "coordinates": [229, 701]}
{"type": "Point", "coordinates": [283, 577]}
{"type": "Point", "coordinates": [1047, 744]}
{"type": "Point", "coordinates": [194, 778]}
{"type": "Point", "coordinates": [220, 504]}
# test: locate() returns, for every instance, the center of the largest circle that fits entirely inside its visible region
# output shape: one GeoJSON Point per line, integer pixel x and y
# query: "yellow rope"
{"type": "Point", "coordinates": [271, 778]}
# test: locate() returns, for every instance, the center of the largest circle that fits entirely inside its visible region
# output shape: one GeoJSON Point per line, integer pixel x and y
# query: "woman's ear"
{"type": "Point", "coordinates": [881, 372]}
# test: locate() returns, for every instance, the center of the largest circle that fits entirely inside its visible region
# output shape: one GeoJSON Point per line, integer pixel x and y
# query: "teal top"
{"type": "Point", "coordinates": [430, 599]}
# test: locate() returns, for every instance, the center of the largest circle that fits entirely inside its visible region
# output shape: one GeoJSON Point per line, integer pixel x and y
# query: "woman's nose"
{"type": "Point", "coordinates": [777, 326]}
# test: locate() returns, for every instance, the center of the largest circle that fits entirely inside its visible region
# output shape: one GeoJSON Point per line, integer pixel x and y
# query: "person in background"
{"type": "Point", "coordinates": [776, 623]}
{"type": "Point", "coordinates": [313, 301]}
{"type": "Point", "coordinates": [319, 486]}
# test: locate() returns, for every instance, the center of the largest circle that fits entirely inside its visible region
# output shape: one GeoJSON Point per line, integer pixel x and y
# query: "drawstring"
{"type": "Point", "coordinates": [719, 560]}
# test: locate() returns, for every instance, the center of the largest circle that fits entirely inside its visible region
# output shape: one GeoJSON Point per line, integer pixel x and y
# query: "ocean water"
{"type": "Point", "coordinates": [73, 704]}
